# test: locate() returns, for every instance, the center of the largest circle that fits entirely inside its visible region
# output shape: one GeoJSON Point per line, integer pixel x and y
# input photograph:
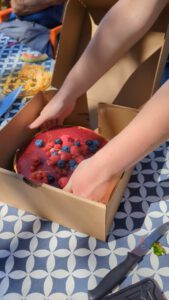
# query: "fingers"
{"type": "Point", "coordinates": [68, 187]}
{"type": "Point", "coordinates": [46, 124]}
{"type": "Point", "coordinates": [37, 123]}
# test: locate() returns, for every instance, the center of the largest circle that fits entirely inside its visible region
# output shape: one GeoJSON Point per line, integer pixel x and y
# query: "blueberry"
{"type": "Point", "coordinates": [61, 163]}
{"type": "Point", "coordinates": [77, 143]}
{"type": "Point", "coordinates": [51, 178]}
{"type": "Point", "coordinates": [54, 153]}
{"type": "Point", "coordinates": [58, 141]}
{"type": "Point", "coordinates": [96, 142]}
{"type": "Point", "coordinates": [39, 143]}
{"type": "Point", "coordinates": [93, 148]}
{"type": "Point", "coordinates": [72, 163]}
{"type": "Point", "coordinates": [89, 142]}
{"type": "Point", "coordinates": [66, 148]}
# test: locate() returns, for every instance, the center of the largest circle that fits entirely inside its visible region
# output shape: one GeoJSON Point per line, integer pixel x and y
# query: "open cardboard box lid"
{"type": "Point", "coordinates": [133, 79]}
{"type": "Point", "coordinates": [49, 202]}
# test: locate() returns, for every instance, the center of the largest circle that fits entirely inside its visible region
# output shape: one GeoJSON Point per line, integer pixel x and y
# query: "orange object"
{"type": "Point", "coordinates": [4, 14]}
{"type": "Point", "coordinates": [54, 32]}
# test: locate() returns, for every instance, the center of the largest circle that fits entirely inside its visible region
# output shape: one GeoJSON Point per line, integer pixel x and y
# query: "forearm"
{"type": "Point", "coordinates": [148, 130]}
{"type": "Point", "coordinates": [125, 23]}
{"type": "Point", "coordinates": [25, 7]}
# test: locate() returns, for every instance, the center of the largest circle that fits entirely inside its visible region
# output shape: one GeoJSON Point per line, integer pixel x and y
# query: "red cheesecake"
{"type": "Point", "coordinates": [53, 155]}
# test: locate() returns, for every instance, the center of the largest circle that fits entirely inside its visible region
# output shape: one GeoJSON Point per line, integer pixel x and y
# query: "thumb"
{"type": "Point", "coordinates": [38, 121]}
{"type": "Point", "coordinates": [68, 187]}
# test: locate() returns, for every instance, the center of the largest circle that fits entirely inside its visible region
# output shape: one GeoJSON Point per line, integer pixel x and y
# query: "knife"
{"type": "Point", "coordinates": [118, 274]}
{"type": "Point", "coordinates": [6, 102]}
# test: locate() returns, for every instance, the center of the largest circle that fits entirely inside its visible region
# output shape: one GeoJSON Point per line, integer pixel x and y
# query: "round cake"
{"type": "Point", "coordinates": [53, 155]}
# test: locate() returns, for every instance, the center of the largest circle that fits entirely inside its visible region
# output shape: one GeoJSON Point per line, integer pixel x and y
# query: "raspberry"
{"type": "Point", "coordinates": [74, 150]}
{"type": "Point", "coordinates": [63, 181]}
{"type": "Point", "coordinates": [67, 139]}
{"type": "Point", "coordinates": [57, 147]}
{"type": "Point", "coordinates": [79, 158]}
{"type": "Point", "coordinates": [36, 162]}
{"type": "Point", "coordinates": [52, 160]}
{"type": "Point", "coordinates": [84, 149]}
{"type": "Point", "coordinates": [33, 168]}
{"type": "Point", "coordinates": [65, 156]}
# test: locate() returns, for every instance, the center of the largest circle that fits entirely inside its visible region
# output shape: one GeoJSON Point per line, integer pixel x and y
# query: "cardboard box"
{"type": "Point", "coordinates": [141, 68]}
{"type": "Point", "coordinates": [49, 202]}
{"type": "Point", "coordinates": [134, 78]}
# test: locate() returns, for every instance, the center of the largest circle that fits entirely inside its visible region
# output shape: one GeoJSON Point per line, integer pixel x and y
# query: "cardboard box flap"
{"type": "Point", "coordinates": [138, 66]}
{"type": "Point", "coordinates": [17, 133]}
{"type": "Point", "coordinates": [113, 118]}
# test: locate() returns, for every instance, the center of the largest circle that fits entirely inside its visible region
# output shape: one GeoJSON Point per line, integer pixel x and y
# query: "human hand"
{"type": "Point", "coordinates": [54, 113]}
{"type": "Point", "coordinates": [88, 181]}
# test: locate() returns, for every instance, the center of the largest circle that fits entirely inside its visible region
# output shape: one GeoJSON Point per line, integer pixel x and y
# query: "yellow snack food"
{"type": "Point", "coordinates": [33, 78]}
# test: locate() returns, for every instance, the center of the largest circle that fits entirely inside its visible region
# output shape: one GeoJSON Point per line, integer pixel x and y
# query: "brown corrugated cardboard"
{"type": "Point", "coordinates": [133, 79]}
{"type": "Point", "coordinates": [142, 67]}
{"type": "Point", "coordinates": [49, 202]}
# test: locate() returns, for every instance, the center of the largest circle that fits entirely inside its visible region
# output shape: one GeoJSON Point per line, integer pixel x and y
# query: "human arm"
{"type": "Point", "coordinates": [26, 7]}
{"type": "Point", "coordinates": [124, 24]}
{"type": "Point", "coordinates": [94, 177]}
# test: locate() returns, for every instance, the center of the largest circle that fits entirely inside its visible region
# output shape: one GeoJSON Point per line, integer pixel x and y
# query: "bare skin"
{"type": "Point", "coordinates": [126, 22]}
{"type": "Point", "coordinates": [94, 176]}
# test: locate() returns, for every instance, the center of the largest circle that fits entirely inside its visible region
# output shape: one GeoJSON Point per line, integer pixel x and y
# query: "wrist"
{"type": "Point", "coordinates": [103, 166]}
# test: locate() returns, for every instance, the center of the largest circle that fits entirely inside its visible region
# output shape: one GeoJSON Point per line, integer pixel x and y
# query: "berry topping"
{"type": "Point", "coordinates": [50, 178]}
{"type": "Point", "coordinates": [96, 142]}
{"type": "Point", "coordinates": [77, 143]}
{"type": "Point", "coordinates": [61, 163]}
{"type": "Point", "coordinates": [75, 150]}
{"type": "Point", "coordinates": [52, 160]}
{"type": "Point", "coordinates": [93, 148]}
{"type": "Point", "coordinates": [39, 143]}
{"type": "Point", "coordinates": [79, 158]}
{"type": "Point", "coordinates": [57, 147]}
{"type": "Point", "coordinates": [67, 139]}
{"type": "Point", "coordinates": [65, 156]}
{"type": "Point", "coordinates": [58, 141]}
{"type": "Point", "coordinates": [72, 164]}
{"type": "Point", "coordinates": [40, 176]}
{"type": "Point", "coordinates": [89, 142]}
{"type": "Point", "coordinates": [84, 149]}
{"type": "Point", "coordinates": [54, 153]}
{"type": "Point", "coordinates": [63, 181]}
{"type": "Point", "coordinates": [66, 148]}
{"type": "Point", "coordinates": [36, 161]}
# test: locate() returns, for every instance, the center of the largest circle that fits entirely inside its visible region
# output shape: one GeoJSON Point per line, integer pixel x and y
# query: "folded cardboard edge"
{"type": "Point", "coordinates": [15, 179]}
{"type": "Point", "coordinates": [68, 53]}
{"type": "Point", "coordinates": [108, 116]}
{"type": "Point", "coordinates": [53, 204]}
